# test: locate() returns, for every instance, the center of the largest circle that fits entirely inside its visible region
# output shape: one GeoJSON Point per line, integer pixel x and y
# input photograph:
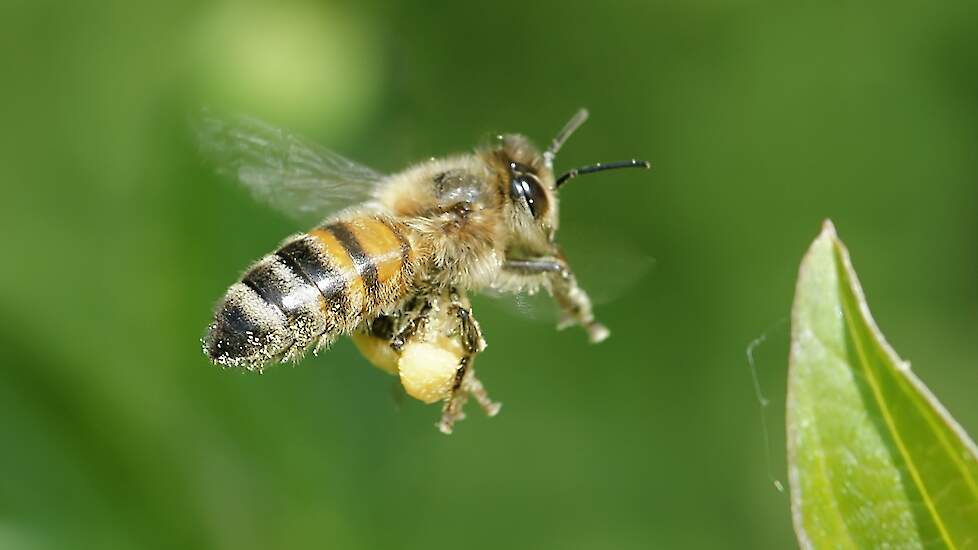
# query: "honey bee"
{"type": "Point", "coordinates": [396, 257]}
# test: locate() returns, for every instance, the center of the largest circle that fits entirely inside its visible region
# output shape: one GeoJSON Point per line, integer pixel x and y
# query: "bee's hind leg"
{"type": "Point", "coordinates": [413, 320]}
{"type": "Point", "coordinates": [466, 384]}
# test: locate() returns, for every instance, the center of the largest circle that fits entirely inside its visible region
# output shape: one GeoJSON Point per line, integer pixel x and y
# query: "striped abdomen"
{"type": "Point", "coordinates": [316, 286]}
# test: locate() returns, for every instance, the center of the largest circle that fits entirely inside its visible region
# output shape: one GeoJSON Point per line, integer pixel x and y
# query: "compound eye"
{"type": "Point", "coordinates": [525, 186]}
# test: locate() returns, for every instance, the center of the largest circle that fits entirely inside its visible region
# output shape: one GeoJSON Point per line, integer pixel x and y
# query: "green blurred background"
{"type": "Point", "coordinates": [761, 119]}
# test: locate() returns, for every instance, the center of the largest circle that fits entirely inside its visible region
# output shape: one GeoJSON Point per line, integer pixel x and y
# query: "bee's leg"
{"type": "Point", "coordinates": [473, 386]}
{"type": "Point", "coordinates": [571, 298]}
{"type": "Point", "coordinates": [474, 343]}
{"type": "Point", "coordinates": [466, 383]}
{"type": "Point", "coordinates": [413, 320]}
{"type": "Point", "coordinates": [452, 412]}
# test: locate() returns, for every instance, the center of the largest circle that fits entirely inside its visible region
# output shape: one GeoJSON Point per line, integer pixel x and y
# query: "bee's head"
{"type": "Point", "coordinates": [527, 183]}
{"type": "Point", "coordinates": [528, 179]}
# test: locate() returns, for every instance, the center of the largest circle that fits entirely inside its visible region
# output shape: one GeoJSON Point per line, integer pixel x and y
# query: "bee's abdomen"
{"type": "Point", "coordinates": [375, 259]}
{"type": "Point", "coordinates": [315, 287]}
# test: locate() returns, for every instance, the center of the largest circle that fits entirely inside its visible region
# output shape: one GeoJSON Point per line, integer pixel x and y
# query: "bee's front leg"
{"type": "Point", "coordinates": [470, 336]}
{"type": "Point", "coordinates": [560, 281]}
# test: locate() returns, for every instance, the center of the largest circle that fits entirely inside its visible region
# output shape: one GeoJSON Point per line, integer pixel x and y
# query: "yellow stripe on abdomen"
{"type": "Point", "coordinates": [381, 245]}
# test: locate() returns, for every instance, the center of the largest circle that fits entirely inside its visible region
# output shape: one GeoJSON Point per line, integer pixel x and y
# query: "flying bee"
{"type": "Point", "coordinates": [393, 269]}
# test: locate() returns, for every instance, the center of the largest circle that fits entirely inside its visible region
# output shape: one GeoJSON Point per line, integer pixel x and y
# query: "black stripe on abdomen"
{"type": "Point", "coordinates": [361, 260]}
{"type": "Point", "coordinates": [316, 269]}
{"type": "Point", "coordinates": [263, 281]}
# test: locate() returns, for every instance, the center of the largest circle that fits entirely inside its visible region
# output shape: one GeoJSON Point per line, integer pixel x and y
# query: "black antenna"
{"type": "Point", "coordinates": [601, 168]}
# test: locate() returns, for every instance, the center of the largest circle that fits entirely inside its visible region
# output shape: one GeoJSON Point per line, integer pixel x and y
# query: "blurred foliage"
{"type": "Point", "coordinates": [758, 117]}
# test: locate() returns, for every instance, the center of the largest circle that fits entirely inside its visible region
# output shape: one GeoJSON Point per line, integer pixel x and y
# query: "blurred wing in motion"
{"type": "Point", "coordinates": [298, 178]}
{"type": "Point", "coordinates": [538, 307]}
{"type": "Point", "coordinates": [607, 267]}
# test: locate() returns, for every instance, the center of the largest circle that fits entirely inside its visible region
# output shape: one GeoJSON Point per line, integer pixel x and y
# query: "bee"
{"type": "Point", "coordinates": [396, 256]}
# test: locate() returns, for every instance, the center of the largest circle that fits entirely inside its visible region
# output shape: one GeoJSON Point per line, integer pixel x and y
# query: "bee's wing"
{"type": "Point", "coordinates": [607, 267]}
{"type": "Point", "coordinates": [537, 307]}
{"type": "Point", "coordinates": [298, 178]}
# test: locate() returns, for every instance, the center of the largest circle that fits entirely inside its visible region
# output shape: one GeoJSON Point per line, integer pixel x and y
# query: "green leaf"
{"type": "Point", "coordinates": [874, 460]}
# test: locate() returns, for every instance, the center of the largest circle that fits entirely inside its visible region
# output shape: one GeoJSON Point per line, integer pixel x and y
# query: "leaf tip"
{"type": "Point", "coordinates": [828, 229]}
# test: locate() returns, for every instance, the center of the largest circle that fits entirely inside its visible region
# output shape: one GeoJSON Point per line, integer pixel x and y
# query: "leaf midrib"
{"type": "Point", "coordinates": [906, 386]}
{"type": "Point", "coordinates": [887, 416]}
